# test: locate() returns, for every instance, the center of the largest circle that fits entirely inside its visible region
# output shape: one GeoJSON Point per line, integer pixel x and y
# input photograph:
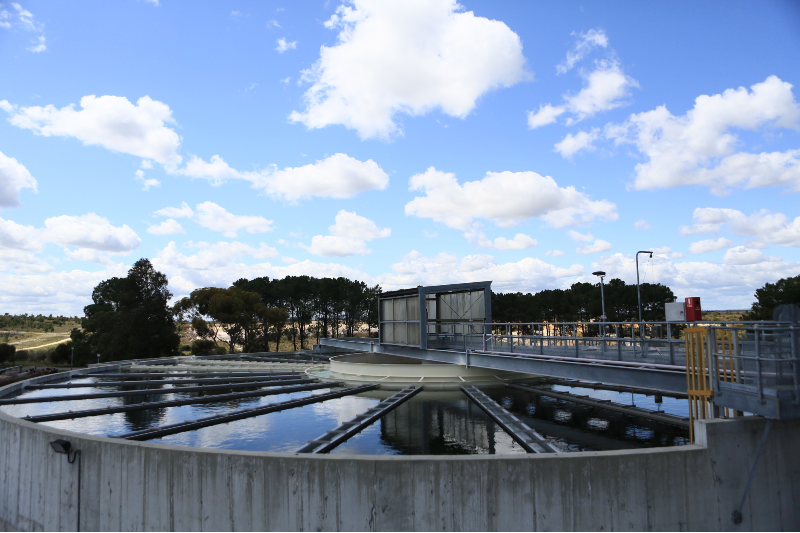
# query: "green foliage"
{"type": "Point", "coordinates": [6, 352]}
{"type": "Point", "coordinates": [336, 305]}
{"type": "Point", "coordinates": [771, 295]}
{"type": "Point", "coordinates": [33, 322]}
{"type": "Point", "coordinates": [203, 347]}
{"type": "Point", "coordinates": [582, 303]}
{"type": "Point", "coordinates": [130, 317]}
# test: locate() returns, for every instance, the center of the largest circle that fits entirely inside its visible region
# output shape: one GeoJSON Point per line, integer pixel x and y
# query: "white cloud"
{"type": "Point", "coordinates": [219, 265]}
{"type": "Point", "coordinates": [184, 211]}
{"type": "Point", "coordinates": [519, 242]}
{"type": "Point", "coordinates": [24, 19]}
{"type": "Point", "coordinates": [39, 45]}
{"type": "Point", "coordinates": [90, 231]}
{"type": "Point", "coordinates": [147, 184]}
{"type": "Point", "coordinates": [597, 246]}
{"type": "Point", "coordinates": [641, 224]}
{"type": "Point", "coordinates": [334, 246]}
{"type": "Point", "coordinates": [701, 148]}
{"type": "Point", "coordinates": [572, 144]}
{"type": "Point", "coordinates": [580, 237]}
{"type": "Point", "coordinates": [64, 292]}
{"type": "Point", "coordinates": [547, 114]}
{"type": "Point", "coordinates": [709, 245]}
{"type": "Point", "coordinates": [215, 255]}
{"type": "Point", "coordinates": [554, 253]}
{"type": "Point", "coordinates": [216, 218]}
{"type": "Point", "coordinates": [741, 255]}
{"type": "Point", "coordinates": [585, 43]}
{"type": "Point", "coordinates": [429, 234]}
{"type": "Point", "coordinates": [409, 57]}
{"type": "Point", "coordinates": [112, 122]}
{"type": "Point", "coordinates": [721, 286]}
{"type": "Point", "coordinates": [13, 178]}
{"type": "Point", "coordinates": [338, 176]}
{"type": "Point", "coordinates": [15, 236]}
{"type": "Point", "coordinates": [22, 262]}
{"type": "Point", "coordinates": [528, 274]}
{"type": "Point", "coordinates": [766, 228]}
{"type": "Point", "coordinates": [348, 236]}
{"type": "Point", "coordinates": [168, 227]}
{"type": "Point", "coordinates": [87, 254]}
{"type": "Point", "coordinates": [283, 45]}
{"type": "Point", "coordinates": [606, 87]}
{"type": "Point", "coordinates": [504, 198]}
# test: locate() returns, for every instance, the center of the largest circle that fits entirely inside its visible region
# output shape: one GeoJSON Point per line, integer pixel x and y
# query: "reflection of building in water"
{"type": "Point", "coordinates": [439, 423]}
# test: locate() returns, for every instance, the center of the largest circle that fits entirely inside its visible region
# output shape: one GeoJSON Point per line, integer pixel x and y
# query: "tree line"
{"type": "Point", "coordinates": [582, 303]}
{"type": "Point", "coordinates": [130, 317]}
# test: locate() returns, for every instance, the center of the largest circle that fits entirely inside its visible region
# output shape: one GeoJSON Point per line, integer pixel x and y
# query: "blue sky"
{"type": "Point", "coordinates": [399, 143]}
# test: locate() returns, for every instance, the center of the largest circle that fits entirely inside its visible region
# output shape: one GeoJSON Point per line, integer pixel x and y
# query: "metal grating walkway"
{"type": "Point", "coordinates": [529, 439]}
{"type": "Point", "coordinates": [333, 438]}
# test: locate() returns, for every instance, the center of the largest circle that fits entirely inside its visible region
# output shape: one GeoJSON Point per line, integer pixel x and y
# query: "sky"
{"type": "Point", "coordinates": [400, 143]}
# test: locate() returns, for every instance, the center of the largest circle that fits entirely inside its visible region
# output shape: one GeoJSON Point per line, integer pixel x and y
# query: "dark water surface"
{"type": "Point", "coordinates": [433, 422]}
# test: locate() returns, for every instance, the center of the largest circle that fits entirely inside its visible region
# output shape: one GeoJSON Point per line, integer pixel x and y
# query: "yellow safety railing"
{"type": "Point", "coordinates": [698, 386]}
{"type": "Point", "coordinates": [700, 347]}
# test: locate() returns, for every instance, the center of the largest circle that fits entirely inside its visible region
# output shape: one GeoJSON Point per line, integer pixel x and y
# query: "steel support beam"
{"type": "Point", "coordinates": [642, 375]}
{"type": "Point", "coordinates": [144, 392]}
{"type": "Point", "coordinates": [190, 425]}
{"type": "Point", "coordinates": [526, 437]}
{"type": "Point", "coordinates": [209, 381]}
{"type": "Point", "coordinates": [186, 374]}
{"type": "Point", "coordinates": [174, 403]}
{"type": "Point", "coordinates": [608, 405]}
{"type": "Point", "coordinates": [333, 438]}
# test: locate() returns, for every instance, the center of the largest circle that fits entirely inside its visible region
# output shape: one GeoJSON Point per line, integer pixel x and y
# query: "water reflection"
{"type": "Point", "coordinates": [433, 422]}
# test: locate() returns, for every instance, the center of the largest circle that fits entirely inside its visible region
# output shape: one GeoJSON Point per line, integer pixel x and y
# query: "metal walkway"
{"type": "Point", "coordinates": [663, 377]}
{"type": "Point", "coordinates": [190, 425]}
{"type": "Point", "coordinates": [608, 405]}
{"type": "Point", "coordinates": [526, 437]}
{"type": "Point", "coordinates": [333, 438]}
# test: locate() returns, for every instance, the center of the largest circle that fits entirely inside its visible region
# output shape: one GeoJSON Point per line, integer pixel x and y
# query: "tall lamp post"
{"type": "Point", "coordinates": [602, 302]}
{"type": "Point", "coordinates": [638, 292]}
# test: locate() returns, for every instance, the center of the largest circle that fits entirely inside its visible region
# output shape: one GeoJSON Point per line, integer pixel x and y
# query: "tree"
{"type": "Point", "coordinates": [129, 318]}
{"type": "Point", "coordinates": [6, 351]}
{"type": "Point", "coordinates": [771, 295]}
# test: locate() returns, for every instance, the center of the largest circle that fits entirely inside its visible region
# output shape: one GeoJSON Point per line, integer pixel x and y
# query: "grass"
{"type": "Point", "coordinates": [723, 316]}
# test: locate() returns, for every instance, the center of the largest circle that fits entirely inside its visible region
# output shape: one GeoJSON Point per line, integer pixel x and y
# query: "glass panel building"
{"type": "Point", "coordinates": [437, 316]}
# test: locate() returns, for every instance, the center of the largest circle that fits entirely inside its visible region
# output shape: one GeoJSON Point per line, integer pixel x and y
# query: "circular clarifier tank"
{"type": "Point", "coordinates": [397, 372]}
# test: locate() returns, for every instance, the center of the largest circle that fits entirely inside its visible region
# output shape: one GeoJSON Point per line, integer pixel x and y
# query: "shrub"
{"type": "Point", "coordinates": [7, 352]}
{"type": "Point", "coordinates": [203, 347]}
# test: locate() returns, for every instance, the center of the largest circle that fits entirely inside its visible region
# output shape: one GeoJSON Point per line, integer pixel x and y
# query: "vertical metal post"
{"type": "Point", "coordinates": [670, 344]}
{"type": "Point", "coordinates": [795, 374]}
{"type": "Point", "coordinates": [72, 358]}
{"type": "Point", "coordinates": [758, 366]}
{"type": "Point", "coordinates": [619, 344]}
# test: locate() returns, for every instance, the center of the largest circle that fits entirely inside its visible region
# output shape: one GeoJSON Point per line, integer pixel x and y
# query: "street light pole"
{"type": "Point", "coordinates": [602, 298]}
{"type": "Point", "coordinates": [638, 292]}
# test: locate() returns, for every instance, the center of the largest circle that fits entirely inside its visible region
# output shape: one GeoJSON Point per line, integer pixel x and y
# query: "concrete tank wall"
{"type": "Point", "coordinates": [148, 486]}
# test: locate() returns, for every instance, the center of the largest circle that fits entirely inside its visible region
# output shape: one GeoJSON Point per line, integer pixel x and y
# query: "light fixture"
{"type": "Point", "coordinates": [65, 447]}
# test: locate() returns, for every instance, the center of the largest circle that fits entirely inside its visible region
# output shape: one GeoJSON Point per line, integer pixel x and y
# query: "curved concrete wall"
{"type": "Point", "coordinates": [120, 485]}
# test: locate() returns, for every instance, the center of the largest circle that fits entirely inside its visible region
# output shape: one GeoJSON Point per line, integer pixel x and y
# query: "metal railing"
{"type": "Point", "coordinates": [622, 341]}
{"type": "Point", "coordinates": [756, 368]}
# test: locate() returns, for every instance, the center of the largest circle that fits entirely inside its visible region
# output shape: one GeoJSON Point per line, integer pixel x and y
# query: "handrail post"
{"type": "Point", "coordinates": [670, 344]}
{"type": "Point", "coordinates": [759, 385]}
